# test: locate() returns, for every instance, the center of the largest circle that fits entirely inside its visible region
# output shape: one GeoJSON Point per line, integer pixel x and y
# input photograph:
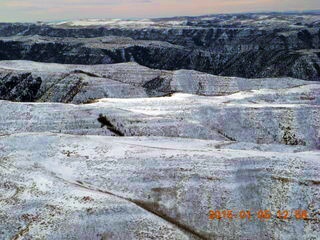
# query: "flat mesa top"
{"type": "Point", "coordinates": [258, 20]}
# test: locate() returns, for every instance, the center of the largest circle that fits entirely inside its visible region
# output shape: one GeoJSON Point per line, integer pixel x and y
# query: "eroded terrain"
{"type": "Point", "coordinates": [127, 134]}
{"type": "Point", "coordinates": [243, 45]}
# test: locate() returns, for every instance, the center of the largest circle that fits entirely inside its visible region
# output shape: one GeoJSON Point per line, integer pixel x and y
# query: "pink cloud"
{"type": "Point", "coordinates": [63, 9]}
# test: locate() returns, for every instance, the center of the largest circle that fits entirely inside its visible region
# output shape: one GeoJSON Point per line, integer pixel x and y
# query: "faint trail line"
{"type": "Point", "coordinates": [139, 204]}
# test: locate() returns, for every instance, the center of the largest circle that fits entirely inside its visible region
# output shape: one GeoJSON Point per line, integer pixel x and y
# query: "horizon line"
{"type": "Point", "coordinates": [316, 12]}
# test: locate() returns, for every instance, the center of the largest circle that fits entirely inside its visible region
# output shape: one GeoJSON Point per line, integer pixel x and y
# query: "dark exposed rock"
{"type": "Point", "coordinates": [44, 82]}
{"type": "Point", "coordinates": [19, 87]}
{"type": "Point", "coordinates": [248, 45]}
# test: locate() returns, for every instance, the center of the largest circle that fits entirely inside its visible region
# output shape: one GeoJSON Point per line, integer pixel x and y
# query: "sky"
{"type": "Point", "coordinates": [50, 10]}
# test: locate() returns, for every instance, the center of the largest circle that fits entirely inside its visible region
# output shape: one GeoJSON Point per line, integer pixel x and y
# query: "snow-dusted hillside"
{"type": "Point", "coordinates": [136, 129]}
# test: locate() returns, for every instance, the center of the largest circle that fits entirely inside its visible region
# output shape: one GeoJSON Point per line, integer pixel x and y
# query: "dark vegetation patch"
{"type": "Point", "coordinates": [290, 138]}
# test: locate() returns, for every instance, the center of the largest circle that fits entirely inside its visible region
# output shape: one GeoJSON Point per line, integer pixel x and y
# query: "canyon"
{"type": "Point", "coordinates": [136, 129]}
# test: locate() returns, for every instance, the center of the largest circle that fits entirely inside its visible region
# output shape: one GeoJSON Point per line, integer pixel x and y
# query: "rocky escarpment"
{"type": "Point", "coordinates": [246, 46]}
{"type": "Point", "coordinates": [31, 81]}
{"type": "Point", "coordinates": [252, 110]}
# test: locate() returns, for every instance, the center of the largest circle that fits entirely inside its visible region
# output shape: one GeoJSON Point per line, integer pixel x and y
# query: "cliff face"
{"type": "Point", "coordinates": [245, 46]}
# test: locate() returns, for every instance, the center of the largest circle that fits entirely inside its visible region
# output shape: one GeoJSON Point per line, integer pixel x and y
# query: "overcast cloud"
{"type": "Point", "coordinates": [47, 10]}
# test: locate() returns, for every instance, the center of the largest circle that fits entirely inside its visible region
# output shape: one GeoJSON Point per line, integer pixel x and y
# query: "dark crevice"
{"type": "Point", "coordinates": [226, 136]}
{"type": "Point", "coordinates": [75, 89]}
{"type": "Point", "coordinates": [146, 207]}
{"type": "Point", "coordinates": [105, 122]}
{"type": "Point", "coordinates": [89, 74]}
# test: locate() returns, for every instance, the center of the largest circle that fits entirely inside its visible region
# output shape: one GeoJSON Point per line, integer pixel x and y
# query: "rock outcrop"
{"type": "Point", "coordinates": [260, 116]}
{"type": "Point", "coordinates": [42, 82]}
